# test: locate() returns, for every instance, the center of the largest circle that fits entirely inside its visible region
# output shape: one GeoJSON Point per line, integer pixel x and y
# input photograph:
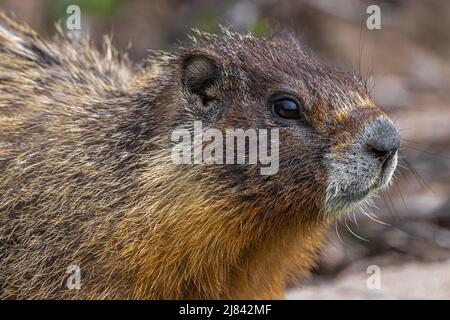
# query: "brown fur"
{"type": "Point", "coordinates": [86, 176]}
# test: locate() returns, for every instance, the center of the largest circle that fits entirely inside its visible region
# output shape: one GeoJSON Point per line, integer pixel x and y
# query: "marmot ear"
{"type": "Point", "coordinates": [198, 73]}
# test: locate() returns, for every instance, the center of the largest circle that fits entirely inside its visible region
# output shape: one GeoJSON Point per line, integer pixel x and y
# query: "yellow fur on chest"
{"type": "Point", "coordinates": [209, 254]}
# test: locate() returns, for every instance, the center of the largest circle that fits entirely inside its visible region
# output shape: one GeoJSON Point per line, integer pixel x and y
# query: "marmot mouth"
{"type": "Point", "coordinates": [349, 199]}
{"type": "Point", "coordinates": [353, 197]}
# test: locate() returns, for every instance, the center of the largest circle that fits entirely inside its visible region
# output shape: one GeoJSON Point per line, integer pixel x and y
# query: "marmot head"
{"type": "Point", "coordinates": [335, 145]}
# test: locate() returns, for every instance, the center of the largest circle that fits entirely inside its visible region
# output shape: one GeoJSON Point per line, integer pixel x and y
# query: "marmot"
{"type": "Point", "coordinates": [86, 176]}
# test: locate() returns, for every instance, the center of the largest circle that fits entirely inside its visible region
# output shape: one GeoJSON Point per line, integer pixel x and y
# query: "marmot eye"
{"type": "Point", "coordinates": [286, 108]}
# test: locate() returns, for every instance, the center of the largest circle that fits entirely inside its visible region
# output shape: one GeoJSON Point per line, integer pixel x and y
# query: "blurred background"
{"type": "Point", "coordinates": [408, 62]}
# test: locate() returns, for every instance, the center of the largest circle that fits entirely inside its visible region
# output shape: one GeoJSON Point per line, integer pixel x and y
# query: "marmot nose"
{"type": "Point", "coordinates": [383, 140]}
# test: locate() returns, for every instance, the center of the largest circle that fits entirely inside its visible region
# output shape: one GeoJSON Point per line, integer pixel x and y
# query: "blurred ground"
{"type": "Point", "coordinates": [409, 67]}
{"type": "Point", "coordinates": [410, 281]}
